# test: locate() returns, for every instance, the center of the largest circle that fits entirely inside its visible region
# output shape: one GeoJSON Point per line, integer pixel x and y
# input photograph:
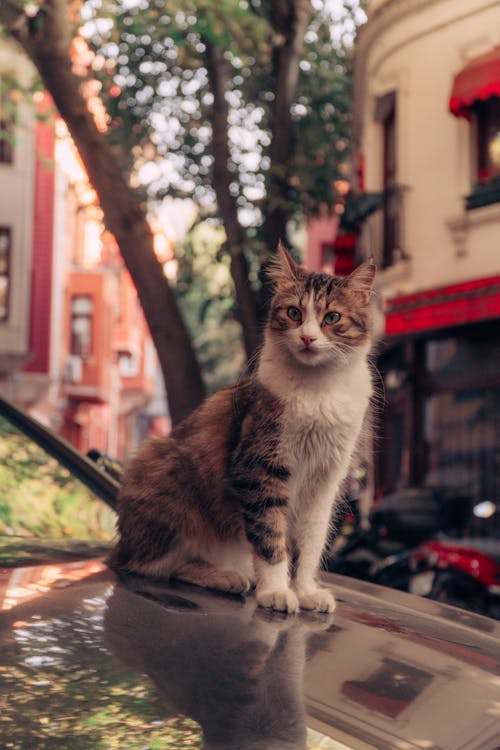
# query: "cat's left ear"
{"type": "Point", "coordinates": [282, 265]}
{"type": "Point", "coordinates": [361, 280]}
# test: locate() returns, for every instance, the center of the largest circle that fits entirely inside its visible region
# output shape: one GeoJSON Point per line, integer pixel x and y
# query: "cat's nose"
{"type": "Point", "coordinates": [308, 340]}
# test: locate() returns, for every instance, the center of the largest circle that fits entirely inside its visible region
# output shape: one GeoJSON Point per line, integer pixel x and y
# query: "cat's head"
{"type": "Point", "coordinates": [316, 318]}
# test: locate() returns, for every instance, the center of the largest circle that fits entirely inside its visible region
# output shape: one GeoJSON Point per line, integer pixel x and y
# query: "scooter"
{"type": "Point", "coordinates": [463, 572]}
{"type": "Point", "coordinates": [414, 543]}
{"type": "Point", "coordinates": [398, 522]}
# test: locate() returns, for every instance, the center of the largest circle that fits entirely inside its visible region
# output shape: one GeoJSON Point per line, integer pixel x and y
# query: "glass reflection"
{"type": "Point", "coordinates": [86, 663]}
{"type": "Point", "coordinates": [234, 669]}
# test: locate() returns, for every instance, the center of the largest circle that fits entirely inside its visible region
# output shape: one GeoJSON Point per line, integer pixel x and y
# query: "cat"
{"type": "Point", "coordinates": [243, 490]}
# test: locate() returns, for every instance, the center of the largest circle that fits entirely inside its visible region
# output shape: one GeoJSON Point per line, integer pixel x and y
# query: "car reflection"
{"type": "Point", "coordinates": [234, 669]}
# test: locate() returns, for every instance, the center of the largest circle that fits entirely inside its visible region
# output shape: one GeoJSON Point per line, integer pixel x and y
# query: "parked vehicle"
{"type": "Point", "coordinates": [380, 551]}
{"type": "Point", "coordinates": [107, 463]}
{"type": "Point", "coordinates": [465, 573]}
{"type": "Point", "coordinates": [414, 543]}
{"type": "Point", "coordinates": [88, 660]}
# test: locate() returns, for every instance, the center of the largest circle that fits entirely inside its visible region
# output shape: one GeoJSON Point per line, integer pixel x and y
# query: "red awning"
{"type": "Point", "coordinates": [467, 302]}
{"type": "Point", "coordinates": [478, 81]}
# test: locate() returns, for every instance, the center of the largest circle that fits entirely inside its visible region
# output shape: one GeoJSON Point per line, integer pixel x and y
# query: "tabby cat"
{"type": "Point", "coordinates": [243, 490]}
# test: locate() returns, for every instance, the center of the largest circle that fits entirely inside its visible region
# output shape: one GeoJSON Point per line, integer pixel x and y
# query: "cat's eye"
{"type": "Point", "coordinates": [294, 314]}
{"type": "Point", "coordinates": [331, 317]}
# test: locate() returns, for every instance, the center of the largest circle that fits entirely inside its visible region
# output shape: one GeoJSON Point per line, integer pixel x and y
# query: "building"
{"type": "Point", "coordinates": [427, 139]}
{"type": "Point", "coordinates": [74, 346]}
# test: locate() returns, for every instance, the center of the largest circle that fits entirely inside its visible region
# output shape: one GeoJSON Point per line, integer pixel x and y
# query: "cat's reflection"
{"type": "Point", "coordinates": [233, 669]}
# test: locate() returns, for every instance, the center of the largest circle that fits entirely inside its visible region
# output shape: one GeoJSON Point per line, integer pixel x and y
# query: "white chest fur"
{"type": "Point", "coordinates": [323, 414]}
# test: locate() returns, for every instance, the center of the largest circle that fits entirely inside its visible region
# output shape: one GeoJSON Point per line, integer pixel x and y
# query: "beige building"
{"type": "Point", "coordinates": [17, 179]}
{"type": "Point", "coordinates": [427, 143]}
{"type": "Point", "coordinates": [407, 59]}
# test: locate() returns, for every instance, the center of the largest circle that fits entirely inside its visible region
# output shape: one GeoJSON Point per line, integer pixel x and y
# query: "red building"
{"type": "Point", "coordinates": [74, 346]}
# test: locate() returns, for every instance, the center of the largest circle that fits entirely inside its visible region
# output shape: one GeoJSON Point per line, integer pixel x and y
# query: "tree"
{"type": "Point", "coordinates": [249, 100]}
{"type": "Point", "coordinates": [243, 106]}
{"type": "Point", "coordinates": [206, 296]}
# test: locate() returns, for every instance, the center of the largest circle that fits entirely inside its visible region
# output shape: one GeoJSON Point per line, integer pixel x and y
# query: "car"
{"type": "Point", "coordinates": [92, 660]}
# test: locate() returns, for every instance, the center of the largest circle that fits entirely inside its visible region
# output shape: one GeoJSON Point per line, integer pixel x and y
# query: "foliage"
{"type": "Point", "coordinates": [62, 689]}
{"type": "Point", "coordinates": [39, 497]}
{"type": "Point", "coordinates": [151, 61]}
{"type": "Point", "coordinates": [206, 297]}
{"type": "Point", "coordinates": [67, 684]}
{"type": "Point", "coordinates": [242, 106]}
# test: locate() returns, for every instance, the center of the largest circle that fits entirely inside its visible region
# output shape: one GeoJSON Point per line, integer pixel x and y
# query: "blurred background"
{"type": "Point", "coordinates": [152, 154]}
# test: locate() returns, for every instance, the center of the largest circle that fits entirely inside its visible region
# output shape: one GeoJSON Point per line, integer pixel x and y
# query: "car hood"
{"type": "Point", "coordinates": [87, 661]}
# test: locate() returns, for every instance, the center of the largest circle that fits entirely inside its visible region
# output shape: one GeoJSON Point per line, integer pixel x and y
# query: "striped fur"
{"type": "Point", "coordinates": [243, 490]}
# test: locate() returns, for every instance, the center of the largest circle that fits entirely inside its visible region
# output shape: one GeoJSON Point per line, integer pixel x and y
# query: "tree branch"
{"type": "Point", "coordinates": [289, 21]}
{"type": "Point", "coordinates": [218, 79]}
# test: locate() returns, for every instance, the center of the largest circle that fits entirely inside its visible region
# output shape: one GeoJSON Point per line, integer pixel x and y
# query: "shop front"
{"type": "Point", "coordinates": [440, 365]}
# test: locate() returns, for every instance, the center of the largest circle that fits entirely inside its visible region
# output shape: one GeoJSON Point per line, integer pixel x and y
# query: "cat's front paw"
{"type": "Point", "coordinates": [317, 600]}
{"type": "Point", "coordinates": [282, 600]}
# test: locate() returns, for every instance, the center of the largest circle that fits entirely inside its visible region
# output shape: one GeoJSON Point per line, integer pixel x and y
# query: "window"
{"type": "Point", "coordinates": [7, 124]}
{"type": "Point", "coordinates": [385, 114]}
{"type": "Point", "coordinates": [328, 257]}
{"type": "Point", "coordinates": [475, 95]}
{"type": "Point", "coordinates": [487, 116]}
{"type": "Point", "coordinates": [389, 184]}
{"type": "Point", "coordinates": [5, 255]}
{"type": "Point", "coordinates": [128, 365]}
{"type": "Point", "coordinates": [389, 688]}
{"type": "Point", "coordinates": [81, 325]}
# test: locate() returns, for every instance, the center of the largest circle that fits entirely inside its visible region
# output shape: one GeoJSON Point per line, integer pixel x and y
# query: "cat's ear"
{"type": "Point", "coordinates": [282, 266]}
{"type": "Point", "coordinates": [361, 280]}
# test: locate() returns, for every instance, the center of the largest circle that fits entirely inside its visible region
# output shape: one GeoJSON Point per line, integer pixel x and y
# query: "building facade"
{"type": "Point", "coordinates": [427, 143]}
{"type": "Point", "coordinates": [74, 346]}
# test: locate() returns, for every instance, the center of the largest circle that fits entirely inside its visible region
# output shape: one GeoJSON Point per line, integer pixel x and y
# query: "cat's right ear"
{"type": "Point", "coordinates": [282, 266]}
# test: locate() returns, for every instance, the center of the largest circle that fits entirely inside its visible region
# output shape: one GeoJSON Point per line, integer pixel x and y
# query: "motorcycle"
{"type": "Point", "coordinates": [414, 542]}
{"type": "Point", "coordinates": [462, 572]}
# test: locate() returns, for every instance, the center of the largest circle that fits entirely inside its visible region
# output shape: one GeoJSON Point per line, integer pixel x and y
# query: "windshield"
{"type": "Point", "coordinates": [39, 497]}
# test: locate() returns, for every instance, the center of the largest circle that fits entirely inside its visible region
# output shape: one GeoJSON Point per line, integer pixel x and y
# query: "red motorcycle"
{"type": "Point", "coordinates": [463, 572]}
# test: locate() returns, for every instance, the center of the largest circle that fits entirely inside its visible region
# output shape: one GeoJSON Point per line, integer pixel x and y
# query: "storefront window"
{"type": "Point", "coordinates": [459, 360]}
{"type": "Point", "coordinates": [462, 434]}
{"type": "Point", "coordinates": [462, 416]}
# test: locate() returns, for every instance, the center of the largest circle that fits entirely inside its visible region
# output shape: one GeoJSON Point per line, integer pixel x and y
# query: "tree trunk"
{"type": "Point", "coordinates": [48, 48]}
{"type": "Point", "coordinates": [289, 21]}
{"type": "Point", "coordinates": [228, 207]}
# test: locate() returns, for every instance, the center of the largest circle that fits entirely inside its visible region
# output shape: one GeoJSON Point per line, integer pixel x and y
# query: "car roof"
{"type": "Point", "coordinates": [92, 661]}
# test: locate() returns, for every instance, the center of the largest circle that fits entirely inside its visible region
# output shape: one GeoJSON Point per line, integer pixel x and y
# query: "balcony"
{"type": "Point", "coordinates": [483, 194]}
{"type": "Point", "coordinates": [381, 216]}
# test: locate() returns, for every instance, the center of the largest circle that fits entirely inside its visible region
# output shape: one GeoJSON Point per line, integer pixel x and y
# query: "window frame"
{"type": "Point", "coordinates": [82, 351]}
{"type": "Point", "coordinates": [484, 113]}
{"type": "Point", "coordinates": [7, 132]}
{"type": "Point", "coordinates": [7, 274]}
{"type": "Point", "coordinates": [386, 115]}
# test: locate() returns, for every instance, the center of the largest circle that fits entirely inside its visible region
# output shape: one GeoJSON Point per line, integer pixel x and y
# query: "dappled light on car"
{"type": "Point", "coordinates": [22, 584]}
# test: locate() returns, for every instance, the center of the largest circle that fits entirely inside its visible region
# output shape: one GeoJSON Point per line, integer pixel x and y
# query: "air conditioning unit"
{"type": "Point", "coordinates": [74, 369]}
